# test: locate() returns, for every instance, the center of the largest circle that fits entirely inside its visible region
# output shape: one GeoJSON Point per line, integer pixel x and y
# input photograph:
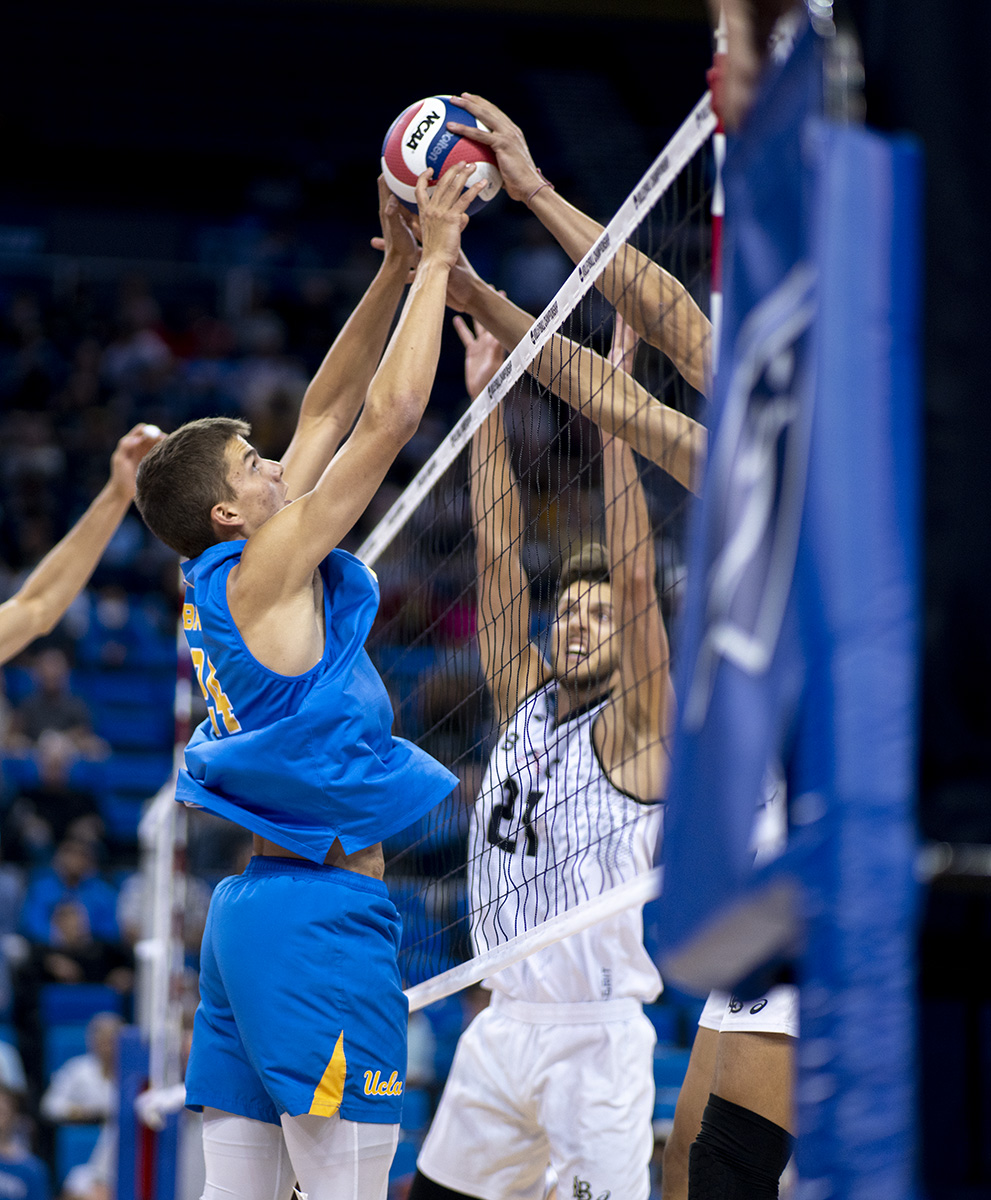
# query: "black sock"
{"type": "Point", "coordinates": [738, 1155]}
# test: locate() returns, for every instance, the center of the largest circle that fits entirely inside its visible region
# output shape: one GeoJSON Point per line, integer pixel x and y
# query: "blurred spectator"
{"type": "Point", "coordinates": [53, 706]}
{"type": "Point", "coordinates": [84, 1088]}
{"type": "Point", "coordinates": [12, 1068]}
{"type": "Point", "coordinates": [121, 630]}
{"type": "Point", "coordinates": [30, 365]}
{"type": "Point", "coordinates": [71, 954]}
{"type": "Point", "coordinates": [139, 356]}
{"type": "Point", "coordinates": [266, 369]}
{"type": "Point", "coordinates": [54, 800]}
{"type": "Point", "coordinates": [22, 1176]}
{"type": "Point", "coordinates": [72, 882]}
{"type": "Point", "coordinates": [11, 899]}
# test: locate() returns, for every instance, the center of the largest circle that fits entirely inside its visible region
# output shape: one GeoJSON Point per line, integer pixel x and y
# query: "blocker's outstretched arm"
{"type": "Point", "coordinates": [657, 306]}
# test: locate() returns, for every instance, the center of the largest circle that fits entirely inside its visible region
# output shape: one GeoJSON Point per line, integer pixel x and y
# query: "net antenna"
{"type": "Point", "coordinates": [161, 953]}
{"type": "Point", "coordinates": [425, 641]}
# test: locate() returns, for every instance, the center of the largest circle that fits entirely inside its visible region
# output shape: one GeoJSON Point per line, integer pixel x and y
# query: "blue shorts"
{"type": "Point", "coordinates": [301, 1006]}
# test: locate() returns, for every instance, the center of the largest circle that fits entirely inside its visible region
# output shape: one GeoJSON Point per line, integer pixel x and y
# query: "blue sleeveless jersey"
{"type": "Point", "coordinates": [300, 759]}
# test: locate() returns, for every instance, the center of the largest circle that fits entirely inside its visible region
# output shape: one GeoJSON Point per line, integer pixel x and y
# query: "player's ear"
{"type": "Point", "coordinates": [225, 516]}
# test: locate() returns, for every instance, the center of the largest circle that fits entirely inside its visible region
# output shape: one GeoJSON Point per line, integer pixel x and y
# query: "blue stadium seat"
{"type": "Point", "coordinates": [136, 725]}
{"type": "Point", "coordinates": [73, 1146]}
{"type": "Point", "coordinates": [121, 816]}
{"type": "Point", "coordinates": [125, 687]}
{"type": "Point", "coordinates": [60, 1043]}
{"type": "Point", "coordinates": [75, 1003]}
{"type": "Point", "coordinates": [138, 774]}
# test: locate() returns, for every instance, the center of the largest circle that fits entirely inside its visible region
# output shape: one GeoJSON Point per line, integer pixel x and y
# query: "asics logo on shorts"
{"type": "Point", "coordinates": [375, 1085]}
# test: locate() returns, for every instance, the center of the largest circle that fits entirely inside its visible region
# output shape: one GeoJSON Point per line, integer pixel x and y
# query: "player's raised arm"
{"type": "Point", "coordinates": [653, 302]}
{"type": "Point", "coordinates": [635, 723]}
{"type": "Point", "coordinates": [283, 552]}
{"type": "Point", "coordinates": [337, 390]}
{"type": "Point", "coordinates": [512, 665]}
{"type": "Point", "coordinates": [56, 581]}
{"type": "Point", "coordinates": [610, 398]}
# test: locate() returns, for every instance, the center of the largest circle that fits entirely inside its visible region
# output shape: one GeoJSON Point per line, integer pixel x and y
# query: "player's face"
{"type": "Point", "coordinates": [583, 647]}
{"type": "Point", "coordinates": [257, 483]}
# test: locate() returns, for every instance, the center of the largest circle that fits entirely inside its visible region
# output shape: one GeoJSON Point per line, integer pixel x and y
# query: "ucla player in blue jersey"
{"type": "Point", "coordinates": [299, 1044]}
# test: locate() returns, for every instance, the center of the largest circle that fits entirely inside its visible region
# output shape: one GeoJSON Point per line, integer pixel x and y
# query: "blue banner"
{"type": "Point", "coordinates": [799, 641]}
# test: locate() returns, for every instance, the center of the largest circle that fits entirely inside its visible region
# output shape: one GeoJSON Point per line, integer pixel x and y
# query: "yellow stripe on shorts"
{"type": "Point", "coordinates": [330, 1090]}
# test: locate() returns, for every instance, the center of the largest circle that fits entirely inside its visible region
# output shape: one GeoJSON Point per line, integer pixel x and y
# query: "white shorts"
{"type": "Point", "coordinates": [775, 1012]}
{"type": "Point", "coordinates": [569, 1086]}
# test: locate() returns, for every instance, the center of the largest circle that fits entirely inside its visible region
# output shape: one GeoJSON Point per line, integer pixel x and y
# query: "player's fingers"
{"type": "Point", "coordinates": [485, 136]}
{"type": "Point", "coordinates": [469, 195]}
{"type": "Point", "coordinates": [453, 181]}
{"type": "Point", "coordinates": [422, 186]}
{"type": "Point", "coordinates": [478, 106]}
{"type": "Point", "coordinates": [464, 332]}
{"type": "Point", "coordinates": [378, 243]}
{"type": "Point", "coordinates": [383, 188]}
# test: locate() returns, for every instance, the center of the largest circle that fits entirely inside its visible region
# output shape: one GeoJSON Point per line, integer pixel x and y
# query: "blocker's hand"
{"type": "Point", "coordinates": [519, 174]}
{"type": "Point", "coordinates": [398, 240]}
{"type": "Point", "coordinates": [443, 212]}
{"type": "Point", "coordinates": [131, 449]}
{"type": "Point", "coordinates": [483, 354]}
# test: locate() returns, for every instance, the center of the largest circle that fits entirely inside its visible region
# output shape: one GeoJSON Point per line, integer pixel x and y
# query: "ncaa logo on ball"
{"type": "Point", "coordinates": [419, 138]}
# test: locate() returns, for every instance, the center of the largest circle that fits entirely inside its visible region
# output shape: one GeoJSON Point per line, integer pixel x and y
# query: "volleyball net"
{"type": "Point", "coordinates": [472, 552]}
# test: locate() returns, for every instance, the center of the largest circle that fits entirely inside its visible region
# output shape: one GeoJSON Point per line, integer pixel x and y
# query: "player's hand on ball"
{"type": "Point", "coordinates": [443, 212]}
{"type": "Point", "coordinates": [131, 449]}
{"type": "Point", "coordinates": [483, 355]}
{"type": "Point", "coordinates": [519, 174]}
{"type": "Point", "coordinates": [398, 240]}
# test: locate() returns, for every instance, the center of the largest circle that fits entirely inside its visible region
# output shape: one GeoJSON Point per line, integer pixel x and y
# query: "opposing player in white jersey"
{"type": "Point", "coordinates": [557, 1071]}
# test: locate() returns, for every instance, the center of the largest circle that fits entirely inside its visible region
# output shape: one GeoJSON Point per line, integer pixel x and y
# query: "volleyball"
{"type": "Point", "coordinates": [419, 138]}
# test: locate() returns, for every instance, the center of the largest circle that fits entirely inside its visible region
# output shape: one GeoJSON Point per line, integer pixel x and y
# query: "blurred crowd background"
{"type": "Point", "coordinates": [186, 205]}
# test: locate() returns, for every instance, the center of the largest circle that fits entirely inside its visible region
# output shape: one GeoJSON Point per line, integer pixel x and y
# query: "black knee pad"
{"type": "Point", "coordinates": [738, 1155]}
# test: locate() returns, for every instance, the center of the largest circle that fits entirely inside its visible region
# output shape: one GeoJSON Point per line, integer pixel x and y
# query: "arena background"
{"type": "Point", "coordinates": [214, 164]}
